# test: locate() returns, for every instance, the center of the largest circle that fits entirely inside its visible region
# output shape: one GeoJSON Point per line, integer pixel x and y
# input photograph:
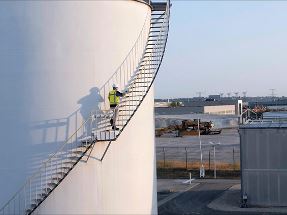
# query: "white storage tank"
{"type": "Point", "coordinates": [55, 57]}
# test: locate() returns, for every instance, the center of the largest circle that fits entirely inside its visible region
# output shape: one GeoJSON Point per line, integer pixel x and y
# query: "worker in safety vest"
{"type": "Point", "coordinates": [114, 99]}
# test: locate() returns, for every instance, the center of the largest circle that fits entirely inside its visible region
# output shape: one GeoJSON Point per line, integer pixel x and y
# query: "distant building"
{"type": "Point", "coordinates": [161, 104]}
{"type": "Point", "coordinates": [214, 97]}
{"type": "Point", "coordinates": [230, 107]}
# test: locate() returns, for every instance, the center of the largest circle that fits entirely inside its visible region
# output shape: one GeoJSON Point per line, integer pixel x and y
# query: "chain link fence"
{"type": "Point", "coordinates": [219, 156]}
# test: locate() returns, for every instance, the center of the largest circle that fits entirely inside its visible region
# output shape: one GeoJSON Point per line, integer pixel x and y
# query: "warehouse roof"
{"type": "Point", "coordinates": [254, 124]}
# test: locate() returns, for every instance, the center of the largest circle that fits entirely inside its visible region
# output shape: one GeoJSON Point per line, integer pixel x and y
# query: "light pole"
{"type": "Point", "coordinates": [214, 157]}
{"type": "Point", "coordinates": [201, 170]}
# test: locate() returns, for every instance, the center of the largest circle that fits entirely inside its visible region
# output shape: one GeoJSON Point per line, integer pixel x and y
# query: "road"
{"type": "Point", "coordinates": [195, 200]}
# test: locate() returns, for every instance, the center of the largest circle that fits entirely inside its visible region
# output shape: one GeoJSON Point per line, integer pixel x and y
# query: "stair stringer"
{"type": "Point", "coordinates": [125, 183]}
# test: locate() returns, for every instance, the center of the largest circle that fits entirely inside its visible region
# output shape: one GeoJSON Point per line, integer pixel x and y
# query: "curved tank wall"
{"type": "Point", "coordinates": [55, 55]}
{"type": "Point", "coordinates": [124, 183]}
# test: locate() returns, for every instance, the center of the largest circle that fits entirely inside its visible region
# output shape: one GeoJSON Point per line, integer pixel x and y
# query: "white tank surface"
{"type": "Point", "coordinates": [55, 56]}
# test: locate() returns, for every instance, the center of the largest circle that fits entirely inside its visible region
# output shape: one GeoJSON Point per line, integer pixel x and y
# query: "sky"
{"type": "Point", "coordinates": [225, 46]}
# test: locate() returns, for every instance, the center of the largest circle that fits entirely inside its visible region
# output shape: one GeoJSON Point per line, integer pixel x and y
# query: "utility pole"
{"type": "Point", "coordinates": [199, 94]}
{"type": "Point", "coordinates": [272, 93]}
{"type": "Point", "coordinates": [228, 94]}
{"type": "Point", "coordinates": [236, 94]}
{"type": "Point", "coordinates": [201, 170]}
{"type": "Point", "coordinates": [244, 94]}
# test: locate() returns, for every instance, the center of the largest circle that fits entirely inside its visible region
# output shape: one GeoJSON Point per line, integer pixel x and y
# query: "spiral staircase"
{"type": "Point", "coordinates": [136, 75]}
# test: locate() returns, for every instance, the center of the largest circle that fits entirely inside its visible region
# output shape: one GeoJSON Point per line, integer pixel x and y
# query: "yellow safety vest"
{"type": "Point", "coordinates": [113, 98]}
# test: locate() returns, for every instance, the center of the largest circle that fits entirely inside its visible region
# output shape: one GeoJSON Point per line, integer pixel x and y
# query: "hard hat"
{"type": "Point", "coordinates": [115, 86]}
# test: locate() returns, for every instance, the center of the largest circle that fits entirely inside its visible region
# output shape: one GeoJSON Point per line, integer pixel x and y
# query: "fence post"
{"type": "Point", "coordinates": [233, 158]}
{"type": "Point", "coordinates": [209, 160]}
{"type": "Point", "coordinates": [185, 158]}
{"type": "Point", "coordinates": [163, 157]}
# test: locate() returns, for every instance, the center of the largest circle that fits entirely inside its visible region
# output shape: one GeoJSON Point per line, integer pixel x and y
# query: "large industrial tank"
{"type": "Point", "coordinates": [55, 56]}
{"type": "Point", "coordinates": [264, 163]}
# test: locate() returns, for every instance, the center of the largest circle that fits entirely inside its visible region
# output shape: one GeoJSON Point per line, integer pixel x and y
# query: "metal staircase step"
{"type": "Point", "coordinates": [106, 135]}
{"type": "Point", "coordinates": [152, 64]}
{"type": "Point", "coordinates": [155, 40]}
{"type": "Point", "coordinates": [156, 27]}
{"type": "Point", "coordinates": [156, 44]}
{"type": "Point", "coordinates": [149, 59]}
{"type": "Point", "coordinates": [128, 105]}
{"type": "Point", "coordinates": [150, 67]}
{"type": "Point", "coordinates": [155, 23]}
{"type": "Point", "coordinates": [143, 78]}
{"type": "Point", "coordinates": [55, 178]}
{"type": "Point", "coordinates": [28, 211]}
{"type": "Point", "coordinates": [75, 158]}
{"type": "Point", "coordinates": [139, 85]}
{"type": "Point", "coordinates": [161, 18]}
{"type": "Point", "coordinates": [62, 174]}
{"type": "Point", "coordinates": [32, 206]}
{"type": "Point", "coordinates": [42, 195]}
{"type": "Point", "coordinates": [64, 167]}
{"type": "Point", "coordinates": [155, 31]}
{"type": "Point", "coordinates": [148, 52]}
{"type": "Point", "coordinates": [77, 152]}
{"type": "Point", "coordinates": [88, 139]}
{"type": "Point", "coordinates": [140, 82]}
{"type": "Point", "coordinates": [136, 87]}
{"type": "Point", "coordinates": [134, 100]}
{"type": "Point", "coordinates": [47, 190]}
{"type": "Point", "coordinates": [156, 35]}
{"type": "Point", "coordinates": [147, 70]}
{"type": "Point", "coordinates": [157, 13]}
{"type": "Point", "coordinates": [37, 201]}
{"type": "Point", "coordinates": [136, 91]}
{"type": "Point", "coordinates": [52, 184]}
{"type": "Point", "coordinates": [127, 111]}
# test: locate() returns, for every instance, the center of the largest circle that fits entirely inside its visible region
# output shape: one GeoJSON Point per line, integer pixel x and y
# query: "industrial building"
{"type": "Point", "coordinates": [59, 60]}
{"type": "Point", "coordinates": [228, 107]}
{"type": "Point", "coordinates": [263, 158]}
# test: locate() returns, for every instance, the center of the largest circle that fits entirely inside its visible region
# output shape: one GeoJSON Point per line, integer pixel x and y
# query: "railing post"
{"type": "Point", "coordinates": [233, 158]}
{"type": "Point", "coordinates": [46, 178]}
{"type": "Point", "coordinates": [185, 158]}
{"type": "Point", "coordinates": [208, 159]}
{"type": "Point", "coordinates": [163, 157]}
{"type": "Point", "coordinates": [30, 194]}
{"type": "Point", "coordinates": [25, 205]}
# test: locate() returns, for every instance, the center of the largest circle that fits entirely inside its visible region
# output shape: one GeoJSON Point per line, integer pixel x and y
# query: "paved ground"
{"type": "Point", "coordinates": [171, 148]}
{"type": "Point", "coordinates": [206, 196]}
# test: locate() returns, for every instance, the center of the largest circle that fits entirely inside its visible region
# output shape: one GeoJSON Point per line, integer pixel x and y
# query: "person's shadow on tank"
{"type": "Point", "coordinates": [90, 102]}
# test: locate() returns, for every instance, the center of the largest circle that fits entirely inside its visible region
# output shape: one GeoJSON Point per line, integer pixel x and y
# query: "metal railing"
{"type": "Point", "coordinates": [138, 82]}
{"type": "Point", "coordinates": [188, 157]}
{"type": "Point", "coordinates": [136, 74]}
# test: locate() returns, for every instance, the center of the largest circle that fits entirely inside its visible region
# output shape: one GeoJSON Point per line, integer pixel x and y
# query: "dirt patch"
{"type": "Point", "coordinates": [174, 164]}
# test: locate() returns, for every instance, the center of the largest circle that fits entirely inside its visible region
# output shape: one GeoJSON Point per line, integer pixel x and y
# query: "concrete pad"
{"type": "Point", "coordinates": [169, 189]}
{"type": "Point", "coordinates": [229, 201]}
